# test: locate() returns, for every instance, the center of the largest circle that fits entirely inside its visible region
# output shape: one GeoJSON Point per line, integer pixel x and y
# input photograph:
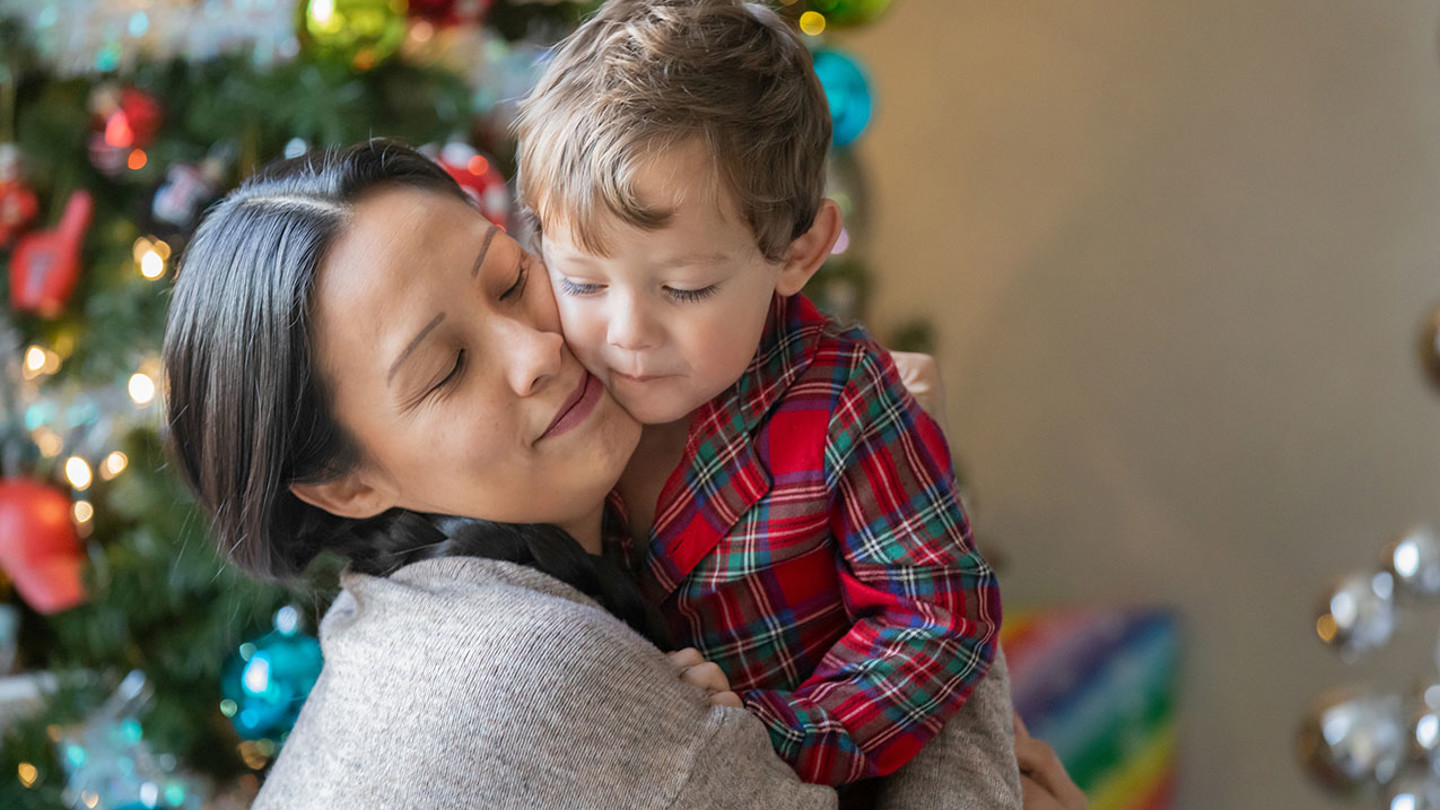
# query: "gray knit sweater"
{"type": "Point", "coordinates": [465, 682]}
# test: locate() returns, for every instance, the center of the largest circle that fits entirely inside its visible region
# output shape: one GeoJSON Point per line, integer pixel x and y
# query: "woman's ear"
{"type": "Point", "coordinates": [811, 249]}
{"type": "Point", "coordinates": [350, 497]}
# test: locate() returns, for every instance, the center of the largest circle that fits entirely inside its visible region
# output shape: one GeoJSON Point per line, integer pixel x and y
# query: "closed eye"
{"type": "Point", "coordinates": [522, 275]}
{"type": "Point", "coordinates": [454, 375]}
{"type": "Point", "coordinates": [575, 288]}
{"type": "Point", "coordinates": [692, 295]}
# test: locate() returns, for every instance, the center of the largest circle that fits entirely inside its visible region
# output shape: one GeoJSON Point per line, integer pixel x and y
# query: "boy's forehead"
{"type": "Point", "coordinates": [685, 173]}
{"type": "Point", "coordinates": [691, 210]}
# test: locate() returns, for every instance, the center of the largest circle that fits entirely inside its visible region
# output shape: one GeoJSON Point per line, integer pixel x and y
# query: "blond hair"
{"type": "Point", "coordinates": [647, 76]}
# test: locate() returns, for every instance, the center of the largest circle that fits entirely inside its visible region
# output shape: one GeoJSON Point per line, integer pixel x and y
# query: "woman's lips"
{"type": "Point", "coordinates": [576, 407]}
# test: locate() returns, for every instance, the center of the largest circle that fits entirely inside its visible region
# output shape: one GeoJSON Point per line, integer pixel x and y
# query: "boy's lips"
{"type": "Point", "coordinates": [638, 378]}
{"type": "Point", "coordinates": [576, 407]}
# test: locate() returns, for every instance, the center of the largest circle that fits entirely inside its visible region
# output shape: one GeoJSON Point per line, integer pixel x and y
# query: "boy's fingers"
{"type": "Point", "coordinates": [687, 657]}
{"type": "Point", "coordinates": [707, 676]}
{"type": "Point", "coordinates": [1039, 762]}
{"type": "Point", "coordinates": [727, 698]}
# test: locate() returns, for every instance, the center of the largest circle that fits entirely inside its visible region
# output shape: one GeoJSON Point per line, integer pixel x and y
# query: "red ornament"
{"type": "Point", "coordinates": [449, 12]}
{"type": "Point", "coordinates": [39, 548]}
{"type": "Point", "coordinates": [17, 210]}
{"type": "Point", "coordinates": [481, 180]}
{"type": "Point", "coordinates": [46, 264]}
{"type": "Point", "coordinates": [17, 201]}
{"type": "Point", "coordinates": [126, 121]}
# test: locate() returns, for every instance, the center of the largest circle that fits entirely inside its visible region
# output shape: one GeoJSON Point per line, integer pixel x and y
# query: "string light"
{"type": "Point", "coordinates": [150, 256]}
{"type": "Point", "coordinates": [118, 132]}
{"type": "Point", "coordinates": [812, 23]}
{"type": "Point", "coordinates": [113, 465]}
{"type": "Point", "coordinates": [78, 473]}
{"type": "Point", "coordinates": [137, 159]}
{"type": "Point", "coordinates": [142, 388]}
{"type": "Point", "coordinates": [83, 511]}
{"type": "Point", "coordinates": [152, 265]}
{"type": "Point", "coordinates": [39, 361]}
{"type": "Point", "coordinates": [322, 11]}
{"type": "Point", "coordinates": [250, 753]}
{"type": "Point", "coordinates": [48, 441]}
{"type": "Point", "coordinates": [29, 774]}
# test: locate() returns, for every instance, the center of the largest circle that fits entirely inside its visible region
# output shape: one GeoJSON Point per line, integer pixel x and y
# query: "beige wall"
{"type": "Point", "coordinates": [1177, 253]}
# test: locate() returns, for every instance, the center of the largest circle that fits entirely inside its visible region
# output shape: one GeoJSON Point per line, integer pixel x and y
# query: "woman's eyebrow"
{"type": "Point", "coordinates": [484, 248]}
{"type": "Point", "coordinates": [414, 343]}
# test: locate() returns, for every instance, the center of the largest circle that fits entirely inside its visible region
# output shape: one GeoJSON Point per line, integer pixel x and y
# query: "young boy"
{"type": "Point", "coordinates": [793, 510]}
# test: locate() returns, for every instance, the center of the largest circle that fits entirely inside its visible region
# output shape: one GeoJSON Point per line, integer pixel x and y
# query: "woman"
{"type": "Point", "coordinates": [354, 358]}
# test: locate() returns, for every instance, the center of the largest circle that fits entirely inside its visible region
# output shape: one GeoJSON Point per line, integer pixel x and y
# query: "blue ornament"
{"type": "Point", "coordinates": [265, 684]}
{"type": "Point", "coordinates": [848, 91]}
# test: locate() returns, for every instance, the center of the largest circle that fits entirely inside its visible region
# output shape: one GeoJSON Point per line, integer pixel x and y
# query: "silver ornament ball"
{"type": "Point", "coordinates": [1350, 740]}
{"type": "Point", "coordinates": [1357, 613]}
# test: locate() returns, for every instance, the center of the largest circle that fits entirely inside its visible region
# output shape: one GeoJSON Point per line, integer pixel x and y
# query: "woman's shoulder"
{"type": "Point", "coordinates": [515, 691]}
{"type": "Point", "coordinates": [475, 606]}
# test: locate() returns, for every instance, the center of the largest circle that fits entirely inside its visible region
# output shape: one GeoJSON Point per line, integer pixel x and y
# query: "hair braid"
{"type": "Point", "coordinates": [384, 544]}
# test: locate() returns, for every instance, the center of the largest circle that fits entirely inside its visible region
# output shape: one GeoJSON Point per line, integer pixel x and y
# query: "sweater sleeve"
{"type": "Point", "coordinates": [644, 728]}
{"type": "Point", "coordinates": [970, 765]}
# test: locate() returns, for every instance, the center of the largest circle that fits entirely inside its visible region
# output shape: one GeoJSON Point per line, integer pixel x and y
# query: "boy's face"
{"type": "Point", "coordinates": [671, 317]}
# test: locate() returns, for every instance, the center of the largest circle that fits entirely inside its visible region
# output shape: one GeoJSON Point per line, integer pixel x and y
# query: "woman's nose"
{"type": "Point", "coordinates": [534, 356]}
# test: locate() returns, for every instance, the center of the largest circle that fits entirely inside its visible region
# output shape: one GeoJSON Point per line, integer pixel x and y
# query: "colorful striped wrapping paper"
{"type": "Point", "coordinates": [1099, 686]}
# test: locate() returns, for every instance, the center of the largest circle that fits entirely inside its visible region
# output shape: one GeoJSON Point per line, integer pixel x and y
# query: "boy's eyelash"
{"type": "Point", "coordinates": [694, 295]}
{"type": "Point", "coordinates": [572, 288]}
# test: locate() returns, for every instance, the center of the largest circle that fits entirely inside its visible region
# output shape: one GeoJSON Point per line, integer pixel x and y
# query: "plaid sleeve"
{"type": "Point", "coordinates": [926, 605]}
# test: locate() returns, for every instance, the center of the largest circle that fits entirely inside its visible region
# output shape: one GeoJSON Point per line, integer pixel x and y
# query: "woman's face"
{"type": "Point", "coordinates": [440, 342]}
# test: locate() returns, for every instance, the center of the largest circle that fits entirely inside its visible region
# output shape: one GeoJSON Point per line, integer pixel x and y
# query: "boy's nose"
{"type": "Point", "coordinates": [629, 329]}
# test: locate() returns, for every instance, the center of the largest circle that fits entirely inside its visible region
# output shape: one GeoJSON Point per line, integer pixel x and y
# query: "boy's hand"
{"type": "Point", "coordinates": [921, 376]}
{"type": "Point", "coordinates": [707, 675]}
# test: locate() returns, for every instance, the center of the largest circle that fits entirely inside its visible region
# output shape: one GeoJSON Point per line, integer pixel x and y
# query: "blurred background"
{"type": "Point", "coordinates": [1177, 262]}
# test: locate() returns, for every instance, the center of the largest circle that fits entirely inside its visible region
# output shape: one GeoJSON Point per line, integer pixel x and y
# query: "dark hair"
{"type": "Point", "coordinates": [249, 412]}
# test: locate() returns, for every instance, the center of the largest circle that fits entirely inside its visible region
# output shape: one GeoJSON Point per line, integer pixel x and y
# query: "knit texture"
{"type": "Point", "coordinates": [465, 682]}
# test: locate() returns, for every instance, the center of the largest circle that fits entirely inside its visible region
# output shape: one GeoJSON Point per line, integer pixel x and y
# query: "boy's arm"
{"type": "Point", "coordinates": [926, 606]}
{"type": "Point", "coordinates": [971, 763]}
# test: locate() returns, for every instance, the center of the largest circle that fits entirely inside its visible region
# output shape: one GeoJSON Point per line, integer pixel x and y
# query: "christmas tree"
{"type": "Point", "coordinates": [147, 670]}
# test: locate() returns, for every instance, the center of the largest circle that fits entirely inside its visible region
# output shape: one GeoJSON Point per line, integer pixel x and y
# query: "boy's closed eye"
{"type": "Point", "coordinates": [578, 288]}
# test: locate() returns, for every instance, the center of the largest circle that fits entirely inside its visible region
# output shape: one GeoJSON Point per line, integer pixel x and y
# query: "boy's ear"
{"type": "Point", "coordinates": [353, 496]}
{"type": "Point", "coordinates": [810, 249]}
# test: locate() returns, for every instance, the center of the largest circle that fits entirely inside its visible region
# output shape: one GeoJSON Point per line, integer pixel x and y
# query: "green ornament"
{"type": "Point", "coordinates": [850, 12]}
{"type": "Point", "coordinates": [363, 33]}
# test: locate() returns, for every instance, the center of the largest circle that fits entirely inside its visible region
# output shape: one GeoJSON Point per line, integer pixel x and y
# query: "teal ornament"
{"type": "Point", "coordinates": [265, 684]}
{"type": "Point", "coordinates": [850, 12]}
{"type": "Point", "coordinates": [848, 90]}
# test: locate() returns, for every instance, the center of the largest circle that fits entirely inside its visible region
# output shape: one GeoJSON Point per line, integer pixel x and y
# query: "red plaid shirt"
{"type": "Point", "coordinates": [811, 543]}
